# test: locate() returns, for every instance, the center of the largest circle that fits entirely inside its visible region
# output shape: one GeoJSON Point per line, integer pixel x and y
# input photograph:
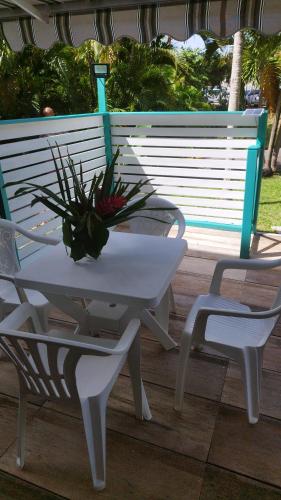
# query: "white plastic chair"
{"type": "Point", "coordinates": [63, 367]}
{"type": "Point", "coordinates": [232, 329]}
{"type": "Point", "coordinates": [9, 265]}
{"type": "Point", "coordinates": [114, 318]}
{"type": "Point", "coordinates": [142, 225]}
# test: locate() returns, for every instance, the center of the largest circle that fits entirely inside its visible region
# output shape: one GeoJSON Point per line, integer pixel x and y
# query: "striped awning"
{"type": "Point", "coordinates": [45, 22]}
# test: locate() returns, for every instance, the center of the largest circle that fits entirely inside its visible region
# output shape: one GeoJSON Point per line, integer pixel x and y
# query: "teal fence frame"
{"type": "Point", "coordinates": [253, 172]}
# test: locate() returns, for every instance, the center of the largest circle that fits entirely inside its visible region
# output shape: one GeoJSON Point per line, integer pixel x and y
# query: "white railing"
{"type": "Point", "coordinates": [196, 160]}
{"type": "Point", "coordinates": [207, 163]}
{"type": "Point", "coordinates": [26, 155]}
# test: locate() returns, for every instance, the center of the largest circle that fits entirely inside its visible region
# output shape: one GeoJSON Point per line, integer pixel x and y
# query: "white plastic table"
{"type": "Point", "coordinates": [133, 269]}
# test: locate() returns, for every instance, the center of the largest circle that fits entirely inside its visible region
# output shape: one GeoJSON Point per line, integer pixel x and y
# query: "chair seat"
{"type": "Point", "coordinates": [227, 330]}
{"type": "Point", "coordinates": [95, 373]}
{"type": "Point", "coordinates": [10, 297]}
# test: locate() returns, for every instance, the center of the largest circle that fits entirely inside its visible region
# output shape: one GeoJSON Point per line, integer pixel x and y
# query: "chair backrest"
{"type": "Point", "coordinates": [143, 225]}
{"type": "Point", "coordinates": [46, 366]}
{"type": "Point", "coordinates": [8, 254]}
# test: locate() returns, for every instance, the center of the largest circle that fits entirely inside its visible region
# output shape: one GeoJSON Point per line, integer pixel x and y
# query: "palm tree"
{"type": "Point", "coordinates": [141, 76]}
{"type": "Point", "coordinates": [262, 66]}
{"type": "Point", "coordinates": [236, 73]}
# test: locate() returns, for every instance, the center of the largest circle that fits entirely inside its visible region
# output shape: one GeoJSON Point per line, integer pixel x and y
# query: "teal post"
{"type": "Point", "coordinates": [107, 137]}
{"type": "Point", "coordinates": [102, 105]}
{"type": "Point", "coordinates": [4, 204]}
{"type": "Point", "coordinates": [261, 138]}
{"type": "Point", "coordinates": [249, 201]}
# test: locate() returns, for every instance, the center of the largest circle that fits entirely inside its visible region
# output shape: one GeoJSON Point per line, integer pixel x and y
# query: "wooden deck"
{"type": "Point", "coordinates": [209, 452]}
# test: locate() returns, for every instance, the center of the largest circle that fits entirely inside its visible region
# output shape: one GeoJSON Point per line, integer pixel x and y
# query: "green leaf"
{"type": "Point", "coordinates": [58, 172]}
{"type": "Point", "coordinates": [99, 239]}
{"type": "Point", "coordinates": [79, 193]}
{"type": "Point", "coordinates": [77, 250]}
{"type": "Point", "coordinates": [81, 173]}
{"type": "Point", "coordinates": [50, 205]}
{"type": "Point", "coordinates": [67, 232]}
{"type": "Point", "coordinates": [106, 189]}
{"type": "Point", "coordinates": [65, 178]}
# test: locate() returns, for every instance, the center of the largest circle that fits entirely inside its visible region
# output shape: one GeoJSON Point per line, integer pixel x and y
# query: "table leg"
{"type": "Point", "coordinates": [145, 406]}
{"type": "Point", "coordinates": [158, 324]}
{"type": "Point", "coordinates": [162, 311]}
{"type": "Point", "coordinates": [86, 324]}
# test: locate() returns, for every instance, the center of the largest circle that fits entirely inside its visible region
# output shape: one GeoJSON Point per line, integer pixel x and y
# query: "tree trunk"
{"type": "Point", "coordinates": [236, 71]}
{"type": "Point", "coordinates": [268, 170]}
{"type": "Point", "coordinates": [276, 149]}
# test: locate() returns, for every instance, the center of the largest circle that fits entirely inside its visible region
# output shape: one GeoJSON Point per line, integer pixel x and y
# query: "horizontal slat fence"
{"type": "Point", "coordinates": [200, 161]}
{"type": "Point", "coordinates": [25, 155]}
{"type": "Point", "coordinates": [196, 160]}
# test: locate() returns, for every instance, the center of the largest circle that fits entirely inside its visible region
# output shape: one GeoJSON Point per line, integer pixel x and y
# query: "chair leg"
{"type": "Point", "coordinates": [94, 417]}
{"type": "Point", "coordinates": [21, 429]}
{"type": "Point", "coordinates": [141, 403]}
{"type": "Point", "coordinates": [181, 371]}
{"type": "Point", "coordinates": [251, 372]}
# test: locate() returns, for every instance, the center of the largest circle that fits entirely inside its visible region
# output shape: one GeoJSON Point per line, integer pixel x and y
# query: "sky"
{"type": "Point", "coordinates": [194, 42]}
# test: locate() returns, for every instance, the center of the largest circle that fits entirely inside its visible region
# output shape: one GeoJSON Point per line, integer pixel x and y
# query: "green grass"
{"type": "Point", "coordinates": [270, 204]}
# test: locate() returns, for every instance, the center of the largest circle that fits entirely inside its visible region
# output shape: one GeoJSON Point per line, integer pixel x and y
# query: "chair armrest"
{"type": "Point", "coordinates": [12, 226]}
{"type": "Point", "coordinates": [203, 315]}
{"type": "Point", "coordinates": [106, 346]}
{"type": "Point", "coordinates": [19, 316]}
{"type": "Point", "coordinates": [47, 240]}
{"type": "Point", "coordinates": [224, 264]}
{"type": "Point", "coordinates": [181, 224]}
{"type": "Point", "coordinates": [7, 277]}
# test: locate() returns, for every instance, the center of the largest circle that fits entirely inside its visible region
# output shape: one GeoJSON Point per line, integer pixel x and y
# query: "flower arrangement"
{"type": "Point", "coordinates": [87, 209]}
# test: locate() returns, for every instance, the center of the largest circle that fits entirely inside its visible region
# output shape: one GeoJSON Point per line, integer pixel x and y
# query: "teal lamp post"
{"type": "Point", "coordinates": [100, 72]}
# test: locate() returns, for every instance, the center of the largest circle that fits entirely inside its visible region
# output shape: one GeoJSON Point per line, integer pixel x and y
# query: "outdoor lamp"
{"type": "Point", "coordinates": [100, 70]}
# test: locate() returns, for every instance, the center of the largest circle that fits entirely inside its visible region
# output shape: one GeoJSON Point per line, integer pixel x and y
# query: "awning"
{"type": "Point", "coordinates": [45, 22]}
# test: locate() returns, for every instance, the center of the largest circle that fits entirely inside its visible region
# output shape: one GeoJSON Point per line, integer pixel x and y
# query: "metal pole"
{"type": "Point", "coordinates": [102, 107]}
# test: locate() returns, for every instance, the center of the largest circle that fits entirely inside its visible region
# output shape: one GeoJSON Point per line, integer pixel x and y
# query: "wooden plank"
{"type": "Point", "coordinates": [41, 157]}
{"type": "Point", "coordinates": [207, 212]}
{"type": "Point", "coordinates": [37, 171]}
{"type": "Point", "coordinates": [249, 132]}
{"type": "Point", "coordinates": [183, 153]}
{"type": "Point", "coordinates": [10, 131]}
{"type": "Point", "coordinates": [204, 202]}
{"type": "Point", "coordinates": [36, 220]}
{"type": "Point", "coordinates": [187, 172]}
{"type": "Point", "coordinates": [29, 145]}
{"type": "Point", "coordinates": [194, 193]}
{"type": "Point", "coordinates": [177, 119]}
{"type": "Point", "coordinates": [189, 182]}
{"type": "Point", "coordinates": [165, 142]}
{"type": "Point", "coordinates": [182, 162]}
{"type": "Point", "coordinates": [51, 177]}
{"type": "Point", "coordinates": [20, 202]}
{"type": "Point", "coordinates": [180, 194]}
{"type": "Point", "coordinates": [206, 218]}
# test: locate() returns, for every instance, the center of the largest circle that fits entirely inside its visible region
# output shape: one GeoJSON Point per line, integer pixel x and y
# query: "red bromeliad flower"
{"type": "Point", "coordinates": [110, 205]}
